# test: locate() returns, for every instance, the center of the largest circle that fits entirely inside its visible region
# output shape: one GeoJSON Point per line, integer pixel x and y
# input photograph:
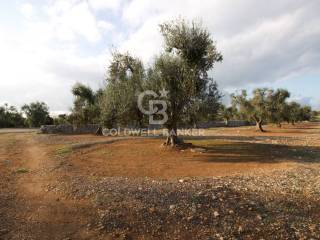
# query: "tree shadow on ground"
{"type": "Point", "coordinates": [232, 149]}
{"type": "Point", "coordinates": [235, 138]}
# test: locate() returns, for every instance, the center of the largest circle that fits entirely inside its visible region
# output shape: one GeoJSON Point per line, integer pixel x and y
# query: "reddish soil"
{"type": "Point", "coordinates": [53, 187]}
{"type": "Point", "coordinates": [33, 212]}
{"type": "Point", "coordinates": [146, 158]}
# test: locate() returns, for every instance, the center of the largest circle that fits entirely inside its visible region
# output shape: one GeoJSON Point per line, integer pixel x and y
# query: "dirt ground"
{"type": "Point", "coordinates": [243, 184]}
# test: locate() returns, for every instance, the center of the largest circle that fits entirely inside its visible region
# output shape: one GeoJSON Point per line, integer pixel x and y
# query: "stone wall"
{"type": "Point", "coordinates": [92, 128]}
{"type": "Point", "coordinates": [69, 129]}
{"type": "Point", "coordinates": [211, 124]}
{"type": "Point", "coordinates": [233, 123]}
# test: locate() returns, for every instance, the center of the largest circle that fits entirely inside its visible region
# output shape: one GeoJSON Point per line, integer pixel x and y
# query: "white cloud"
{"type": "Point", "coordinates": [32, 74]}
{"type": "Point", "coordinates": [100, 5]}
{"type": "Point", "coordinates": [27, 10]}
{"type": "Point", "coordinates": [145, 43]}
{"type": "Point", "coordinates": [105, 26]}
{"type": "Point", "coordinates": [43, 59]}
{"type": "Point", "coordinates": [306, 101]}
{"type": "Point", "coordinates": [261, 42]}
{"type": "Point", "coordinates": [72, 19]}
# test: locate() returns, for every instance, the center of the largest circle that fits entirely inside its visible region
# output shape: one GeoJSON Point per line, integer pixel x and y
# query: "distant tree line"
{"type": "Point", "coordinates": [268, 106]}
{"type": "Point", "coordinates": [11, 117]}
{"type": "Point", "coordinates": [263, 107]}
{"type": "Point", "coordinates": [30, 115]}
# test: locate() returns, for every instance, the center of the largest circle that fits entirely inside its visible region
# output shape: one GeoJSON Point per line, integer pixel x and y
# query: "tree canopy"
{"type": "Point", "coordinates": [37, 114]}
{"type": "Point", "coordinates": [85, 108]}
{"type": "Point", "coordinates": [182, 70]}
{"type": "Point", "coordinates": [125, 79]}
{"type": "Point", "coordinates": [269, 106]}
{"type": "Point", "coordinates": [10, 117]}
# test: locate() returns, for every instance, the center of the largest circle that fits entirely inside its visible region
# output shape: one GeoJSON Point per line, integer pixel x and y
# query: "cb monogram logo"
{"type": "Point", "coordinates": [152, 106]}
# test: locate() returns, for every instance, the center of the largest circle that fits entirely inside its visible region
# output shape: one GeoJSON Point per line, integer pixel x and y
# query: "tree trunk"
{"type": "Point", "coordinates": [259, 126]}
{"type": "Point", "coordinates": [279, 125]}
{"type": "Point", "coordinates": [172, 139]}
{"type": "Point", "coordinates": [226, 122]}
{"type": "Point", "coordinates": [99, 131]}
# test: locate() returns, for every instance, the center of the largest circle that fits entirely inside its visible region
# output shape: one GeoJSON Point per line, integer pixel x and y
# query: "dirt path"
{"type": "Point", "coordinates": [38, 213]}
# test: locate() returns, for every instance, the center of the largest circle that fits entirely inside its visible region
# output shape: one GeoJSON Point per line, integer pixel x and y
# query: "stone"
{"type": "Point", "coordinates": [171, 207]}
{"type": "Point", "coordinates": [152, 210]}
{"type": "Point", "coordinates": [198, 150]}
{"type": "Point", "coordinates": [216, 214]}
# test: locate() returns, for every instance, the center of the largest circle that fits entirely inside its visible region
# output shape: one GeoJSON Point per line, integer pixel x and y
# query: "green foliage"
{"type": "Point", "coordinates": [250, 109]}
{"type": "Point", "coordinates": [255, 108]}
{"type": "Point", "coordinates": [294, 112]}
{"type": "Point", "coordinates": [192, 43]}
{"type": "Point", "coordinates": [61, 119]}
{"type": "Point", "coordinates": [205, 107]}
{"type": "Point", "coordinates": [315, 116]}
{"type": "Point", "coordinates": [227, 113]}
{"type": "Point", "coordinates": [183, 71]}
{"type": "Point", "coordinates": [10, 117]}
{"type": "Point", "coordinates": [22, 170]}
{"type": "Point", "coordinates": [64, 150]}
{"type": "Point", "coordinates": [84, 93]}
{"type": "Point", "coordinates": [126, 76]}
{"type": "Point", "coordinates": [305, 113]}
{"type": "Point", "coordinates": [85, 106]}
{"type": "Point", "coordinates": [37, 114]}
{"type": "Point", "coordinates": [270, 106]}
{"type": "Point", "coordinates": [277, 105]}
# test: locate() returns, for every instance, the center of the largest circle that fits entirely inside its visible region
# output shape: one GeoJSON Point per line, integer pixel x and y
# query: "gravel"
{"type": "Point", "coordinates": [281, 205]}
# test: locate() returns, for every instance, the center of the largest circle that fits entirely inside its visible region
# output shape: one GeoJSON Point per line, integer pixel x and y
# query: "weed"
{"type": "Point", "coordinates": [63, 151]}
{"type": "Point", "coordinates": [22, 170]}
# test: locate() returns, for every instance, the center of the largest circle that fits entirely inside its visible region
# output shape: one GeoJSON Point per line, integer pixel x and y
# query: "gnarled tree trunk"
{"type": "Point", "coordinates": [172, 139]}
{"type": "Point", "coordinates": [99, 131]}
{"type": "Point", "coordinates": [259, 126]}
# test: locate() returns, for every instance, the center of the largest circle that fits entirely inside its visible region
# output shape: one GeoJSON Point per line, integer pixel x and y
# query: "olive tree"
{"type": "Point", "coordinates": [254, 108]}
{"type": "Point", "coordinates": [227, 113]}
{"type": "Point", "coordinates": [125, 79]}
{"type": "Point", "coordinates": [182, 70]}
{"type": "Point", "coordinates": [277, 105]}
{"type": "Point", "coordinates": [205, 107]}
{"type": "Point", "coordinates": [294, 112]}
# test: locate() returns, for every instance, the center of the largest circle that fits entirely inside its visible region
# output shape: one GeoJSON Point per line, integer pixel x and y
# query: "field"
{"type": "Point", "coordinates": [245, 185]}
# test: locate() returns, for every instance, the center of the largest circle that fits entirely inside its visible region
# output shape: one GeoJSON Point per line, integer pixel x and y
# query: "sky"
{"type": "Point", "coordinates": [47, 46]}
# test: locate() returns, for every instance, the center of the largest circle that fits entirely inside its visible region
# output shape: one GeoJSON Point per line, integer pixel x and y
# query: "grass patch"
{"type": "Point", "coordinates": [64, 150]}
{"type": "Point", "coordinates": [22, 170]}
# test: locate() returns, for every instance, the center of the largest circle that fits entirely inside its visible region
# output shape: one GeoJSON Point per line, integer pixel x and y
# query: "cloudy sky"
{"type": "Point", "coordinates": [47, 46]}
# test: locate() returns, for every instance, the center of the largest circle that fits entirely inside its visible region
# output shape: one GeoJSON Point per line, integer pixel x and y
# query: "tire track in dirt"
{"type": "Point", "coordinates": [40, 214]}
